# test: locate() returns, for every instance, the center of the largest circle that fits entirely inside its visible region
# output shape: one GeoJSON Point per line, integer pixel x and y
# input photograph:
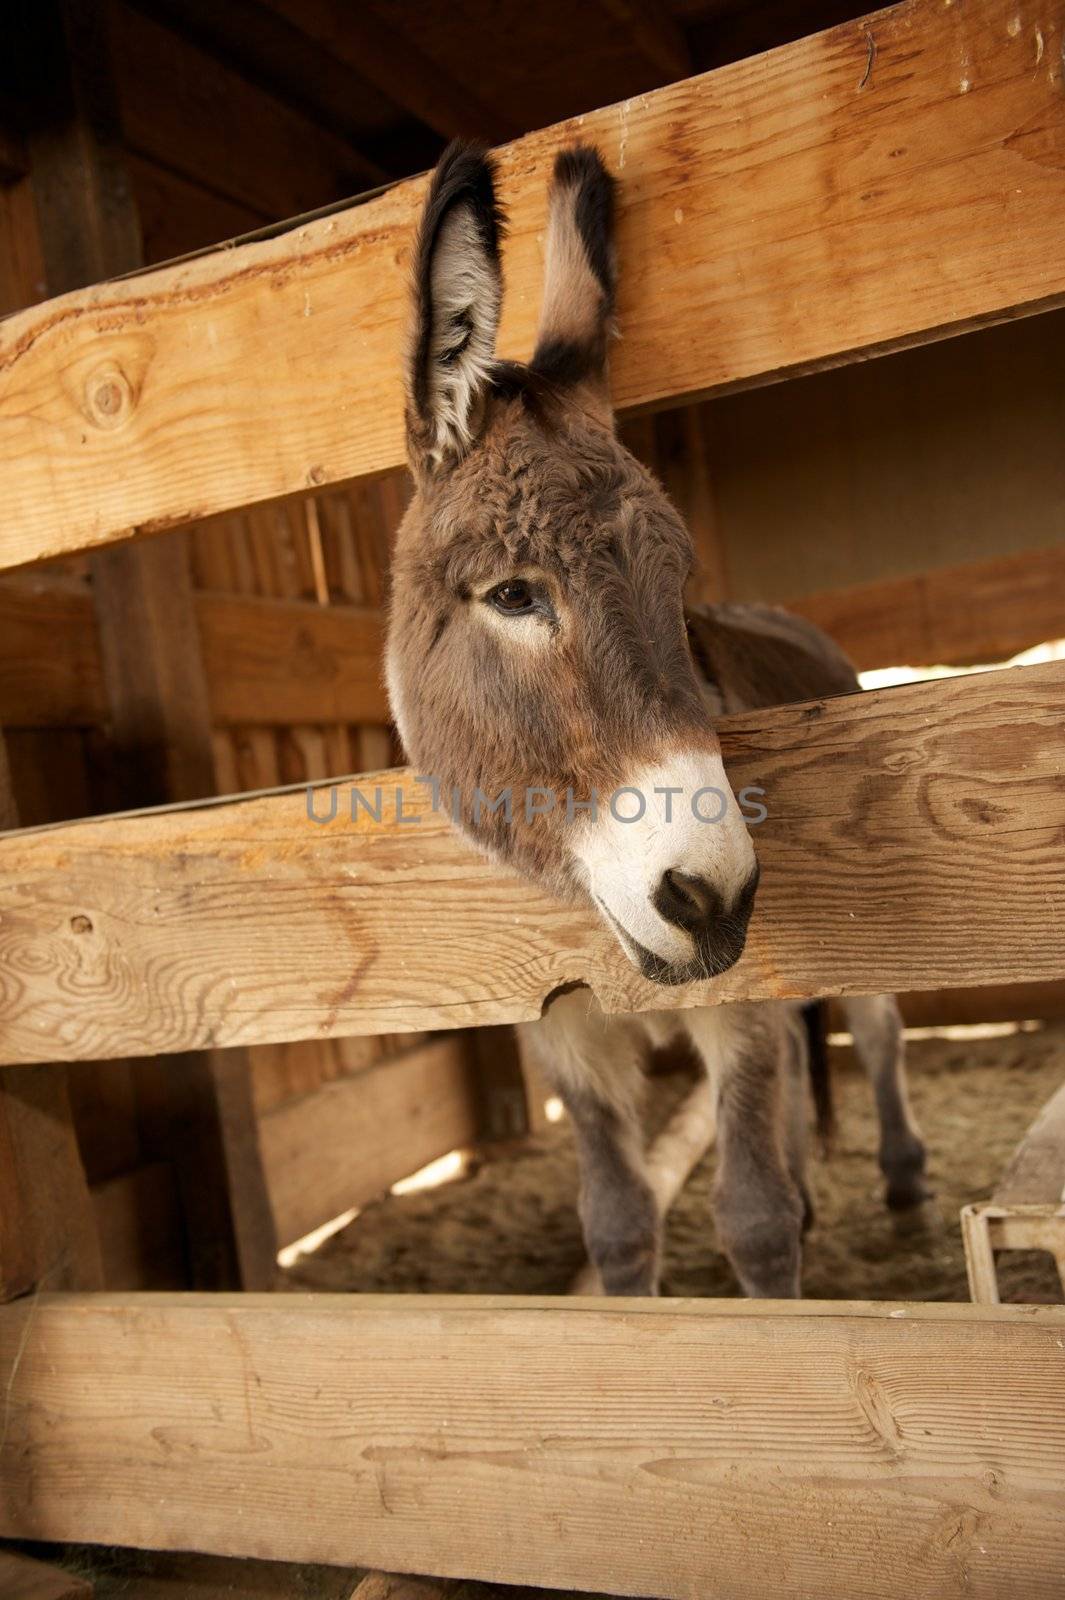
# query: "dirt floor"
{"type": "Point", "coordinates": [510, 1227]}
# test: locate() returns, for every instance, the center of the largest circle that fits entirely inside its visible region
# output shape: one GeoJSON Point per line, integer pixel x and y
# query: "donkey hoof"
{"type": "Point", "coordinates": [906, 1194]}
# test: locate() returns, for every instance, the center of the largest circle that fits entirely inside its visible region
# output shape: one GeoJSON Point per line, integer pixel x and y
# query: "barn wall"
{"type": "Point", "coordinates": [941, 455]}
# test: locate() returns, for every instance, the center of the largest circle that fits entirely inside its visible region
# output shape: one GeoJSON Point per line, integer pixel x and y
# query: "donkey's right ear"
{"type": "Point", "coordinates": [458, 290]}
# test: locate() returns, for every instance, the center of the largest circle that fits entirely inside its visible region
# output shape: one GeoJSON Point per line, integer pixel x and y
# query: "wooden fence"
{"type": "Point", "coordinates": [876, 186]}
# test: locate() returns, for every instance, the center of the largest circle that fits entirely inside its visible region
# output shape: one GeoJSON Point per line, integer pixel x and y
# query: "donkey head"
{"type": "Point", "coordinates": [538, 662]}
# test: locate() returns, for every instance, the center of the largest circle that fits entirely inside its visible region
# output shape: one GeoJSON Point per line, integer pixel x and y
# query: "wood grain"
{"type": "Point", "coordinates": [641, 1447]}
{"type": "Point", "coordinates": [349, 1141]}
{"type": "Point", "coordinates": [914, 841]}
{"type": "Point", "coordinates": [47, 1229]}
{"type": "Point", "coordinates": [778, 215]}
{"type": "Point", "coordinates": [951, 616]}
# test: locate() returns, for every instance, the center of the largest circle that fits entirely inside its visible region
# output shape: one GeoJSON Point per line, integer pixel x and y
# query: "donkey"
{"type": "Point", "coordinates": [538, 641]}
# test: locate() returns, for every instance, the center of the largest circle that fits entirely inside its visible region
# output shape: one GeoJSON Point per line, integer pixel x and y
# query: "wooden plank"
{"type": "Point", "coordinates": [50, 672]}
{"type": "Point", "coordinates": [993, 1002]}
{"type": "Point", "coordinates": [22, 1578]}
{"type": "Point", "coordinates": [351, 1140]}
{"type": "Point", "coordinates": [276, 662]}
{"type": "Point", "coordinates": [951, 616]}
{"type": "Point", "coordinates": [913, 841]}
{"type": "Point", "coordinates": [288, 661]}
{"type": "Point", "coordinates": [673, 1448]}
{"type": "Point", "coordinates": [935, 182]}
{"type": "Point", "coordinates": [154, 680]}
{"type": "Point", "coordinates": [946, 454]}
{"type": "Point", "coordinates": [47, 1230]}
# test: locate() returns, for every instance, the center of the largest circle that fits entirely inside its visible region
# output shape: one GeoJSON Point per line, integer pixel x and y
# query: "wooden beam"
{"type": "Point", "coordinates": [47, 1226]}
{"type": "Point", "coordinates": [259, 372]}
{"type": "Point", "coordinates": [50, 673]}
{"type": "Point", "coordinates": [993, 1002]}
{"type": "Point", "coordinates": [912, 841]}
{"type": "Point", "coordinates": [47, 1229]}
{"type": "Point", "coordinates": [665, 1447]}
{"type": "Point", "coordinates": [350, 1140]}
{"type": "Point", "coordinates": [951, 616]}
{"type": "Point", "coordinates": [289, 661]}
{"type": "Point", "coordinates": [274, 662]}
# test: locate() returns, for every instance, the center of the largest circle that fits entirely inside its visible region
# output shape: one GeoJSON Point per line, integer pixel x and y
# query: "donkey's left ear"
{"type": "Point", "coordinates": [457, 290]}
{"type": "Point", "coordinates": [576, 320]}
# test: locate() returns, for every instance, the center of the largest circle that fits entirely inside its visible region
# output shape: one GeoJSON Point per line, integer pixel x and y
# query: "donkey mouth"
{"type": "Point", "coordinates": [712, 954]}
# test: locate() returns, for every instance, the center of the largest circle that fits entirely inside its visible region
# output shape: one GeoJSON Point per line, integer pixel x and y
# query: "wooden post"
{"type": "Point", "coordinates": [47, 1228]}
{"type": "Point", "coordinates": [197, 1111]}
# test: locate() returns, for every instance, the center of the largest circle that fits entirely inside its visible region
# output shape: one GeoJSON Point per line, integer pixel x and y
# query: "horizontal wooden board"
{"type": "Point", "coordinates": [352, 1139]}
{"type": "Point", "coordinates": [913, 841]}
{"type": "Point", "coordinates": [951, 616]}
{"type": "Point", "coordinates": [993, 1002]}
{"type": "Point", "coordinates": [889, 181]}
{"type": "Point", "coordinates": [274, 662]}
{"type": "Point", "coordinates": [643, 1447]}
{"type": "Point", "coordinates": [287, 661]}
{"type": "Point", "coordinates": [50, 669]}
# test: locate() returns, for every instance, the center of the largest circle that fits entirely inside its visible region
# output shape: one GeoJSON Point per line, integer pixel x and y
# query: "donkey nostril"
{"type": "Point", "coordinates": [689, 902]}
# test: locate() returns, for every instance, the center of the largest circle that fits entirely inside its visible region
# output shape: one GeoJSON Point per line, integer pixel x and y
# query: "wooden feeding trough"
{"type": "Point", "coordinates": [882, 185]}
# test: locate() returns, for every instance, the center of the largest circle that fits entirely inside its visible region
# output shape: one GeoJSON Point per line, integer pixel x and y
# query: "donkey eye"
{"type": "Point", "coordinates": [512, 597]}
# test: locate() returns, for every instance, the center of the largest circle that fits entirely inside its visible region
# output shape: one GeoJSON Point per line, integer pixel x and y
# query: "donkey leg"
{"type": "Point", "coordinates": [595, 1063]}
{"type": "Point", "coordinates": [796, 1109]}
{"type": "Point", "coordinates": [876, 1028]}
{"type": "Point", "coordinates": [758, 1204]}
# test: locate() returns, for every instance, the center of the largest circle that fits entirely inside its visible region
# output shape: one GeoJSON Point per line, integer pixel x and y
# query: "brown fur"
{"type": "Point", "coordinates": [519, 477]}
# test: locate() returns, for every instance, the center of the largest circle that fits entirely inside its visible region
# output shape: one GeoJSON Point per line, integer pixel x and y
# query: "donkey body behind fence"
{"type": "Point", "coordinates": [538, 643]}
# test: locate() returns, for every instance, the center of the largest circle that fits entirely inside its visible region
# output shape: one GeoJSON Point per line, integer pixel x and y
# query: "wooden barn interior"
{"type": "Point", "coordinates": [225, 638]}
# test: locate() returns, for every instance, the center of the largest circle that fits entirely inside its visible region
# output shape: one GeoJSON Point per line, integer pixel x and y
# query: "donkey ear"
{"type": "Point", "coordinates": [580, 276]}
{"type": "Point", "coordinates": [458, 290]}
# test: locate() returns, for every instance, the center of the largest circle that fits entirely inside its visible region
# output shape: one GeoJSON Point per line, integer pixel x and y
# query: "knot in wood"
{"type": "Point", "coordinates": [109, 397]}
